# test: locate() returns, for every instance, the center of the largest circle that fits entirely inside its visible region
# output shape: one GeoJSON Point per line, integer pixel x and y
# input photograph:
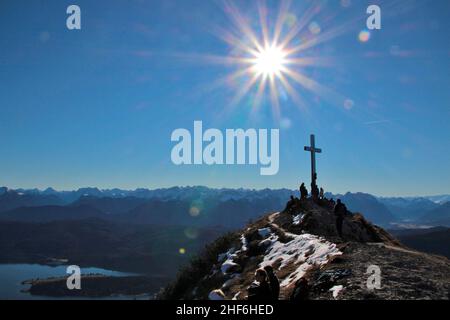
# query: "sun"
{"type": "Point", "coordinates": [271, 57]}
{"type": "Point", "coordinates": [269, 62]}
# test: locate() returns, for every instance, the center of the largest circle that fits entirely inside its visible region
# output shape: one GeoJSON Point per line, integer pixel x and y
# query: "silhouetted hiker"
{"type": "Point", "coordinates": [289, 205]}
{"type": "Point", "coordinates": [321, 194]}
{"type": "Point", "coordinates": [331, 204]}
{"type": "Point", "coordinates": [314, 192]}
{"type": "Point", "coordinates": [260, 289]}
{"type": "Point", "coordinates": [301, 291]}
{"type": "Point", "coordinates": [273, 282]}
{"type": "Point", "coordinates": [303, 191]}
{"type": "Point", "coordinates": [339, 211]}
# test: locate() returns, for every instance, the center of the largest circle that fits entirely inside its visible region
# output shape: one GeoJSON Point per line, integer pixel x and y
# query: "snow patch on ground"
{"type": "Point", "coordinates": [215, 295]}
{"type": "Point", "coordinates": [223, 256]}
{"type": "Point", "coordinates": [264, 232]}
{"type": "Point", "coordinates": [304, 251]}
{"type": "Point", "coordinates": [244, 243]}
{"type": "Point", "coordinates": [336, 290]}
{"type": "Point", "coordinates": [296, 220]}
{"type": "Point", "coordinates": [228, 263]}
{"type": "Point", "coordinates": [233, 278]}
{"type": "Point", "coordinates": [227, 258]}
{"type": "Point", "coordinates": [268, 242]}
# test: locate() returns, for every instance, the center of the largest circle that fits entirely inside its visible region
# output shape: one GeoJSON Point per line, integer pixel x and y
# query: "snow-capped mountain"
{"type": "Point", "coordinates": [380, 210]}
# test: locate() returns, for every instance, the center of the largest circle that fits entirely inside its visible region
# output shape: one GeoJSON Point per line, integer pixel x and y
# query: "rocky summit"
{"type": "Point", "coordinates": [302, 242]}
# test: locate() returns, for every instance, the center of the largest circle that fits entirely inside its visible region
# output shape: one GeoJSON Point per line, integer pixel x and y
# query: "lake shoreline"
{"type": "Point", "coordinates": [93, 286]}
{"type": "Point", "coordinates": [47, 282]}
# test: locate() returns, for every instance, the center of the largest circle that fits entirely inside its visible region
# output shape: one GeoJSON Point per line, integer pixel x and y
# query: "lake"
{"type": "Point", "coordinates": [12, 275]}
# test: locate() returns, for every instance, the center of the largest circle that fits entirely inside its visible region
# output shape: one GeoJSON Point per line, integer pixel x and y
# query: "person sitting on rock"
{"type": "Point", "coordinates": [259, 289]}
{"type": "Point", "coordinates": [273, 282]}
{"type": "Point", "coordinates": [340, 210]}
{"type": "Point", "coordinates": [303, 192]}
{"type": "Point", "coordinates": [301, 290]}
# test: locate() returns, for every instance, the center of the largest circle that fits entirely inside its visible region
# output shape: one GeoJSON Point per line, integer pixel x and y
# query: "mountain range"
{"type": "Point", "coordinates": [155, 232]}
{"type": "Point", "coordinates": [206, 206]}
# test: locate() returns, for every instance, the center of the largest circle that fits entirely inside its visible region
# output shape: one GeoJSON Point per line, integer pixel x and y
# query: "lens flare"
{"type": "Point", "coordinates": [194, 211]}
{"type": "Point", "coordinates": [191, 233]}
{"type": "Point", "coordinates": [314, 27]}
{"type": "Point", "coordinates": [196, 208]}
{"type": "Point", "coordinates": [364, 36]}
{"type": "Point", "coordinates": [348, 104]}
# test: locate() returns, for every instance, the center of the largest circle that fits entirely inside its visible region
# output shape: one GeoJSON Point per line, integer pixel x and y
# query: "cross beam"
{"type": "Point", "coordinates": [312, 148]}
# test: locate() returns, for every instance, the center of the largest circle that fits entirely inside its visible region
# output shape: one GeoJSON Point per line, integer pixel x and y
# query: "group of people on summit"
{"type": "Point", "coordinates": [318, 196]}
{"type": "Point", "coordinates": [316, 193]}
{"type": "Point", "coordinates": [266, 285]}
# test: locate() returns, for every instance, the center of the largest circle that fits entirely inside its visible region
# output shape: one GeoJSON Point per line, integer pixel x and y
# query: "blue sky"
{"type": "Point", "coordinates": [97, 106]}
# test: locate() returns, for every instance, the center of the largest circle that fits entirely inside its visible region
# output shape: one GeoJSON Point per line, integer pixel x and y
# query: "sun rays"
{"type": "Point", "coordinates": [270, 58]}
{"type": "Point", "coordinates": [270, 53]}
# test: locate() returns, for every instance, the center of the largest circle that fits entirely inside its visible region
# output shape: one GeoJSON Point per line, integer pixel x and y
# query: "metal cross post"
{"type": "Point", "coordinates": [312, 148]}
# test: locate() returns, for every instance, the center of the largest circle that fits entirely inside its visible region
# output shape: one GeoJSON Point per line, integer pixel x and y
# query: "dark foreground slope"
{"type": "Point", "coordinates": [433, 240]}
{"type": "Point", "coordinates": [303, 243]}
